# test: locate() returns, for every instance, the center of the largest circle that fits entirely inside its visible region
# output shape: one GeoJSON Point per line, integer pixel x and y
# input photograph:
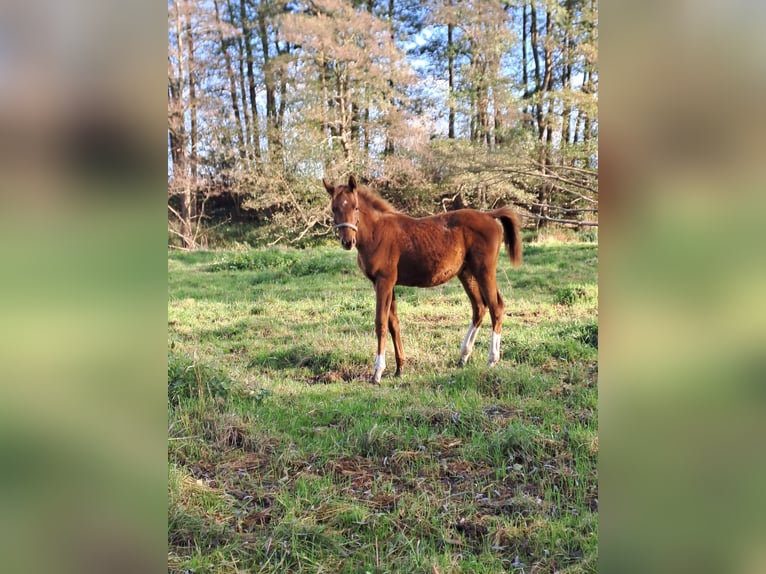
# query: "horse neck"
{"type": "Point", "coordinates": [370, 219]}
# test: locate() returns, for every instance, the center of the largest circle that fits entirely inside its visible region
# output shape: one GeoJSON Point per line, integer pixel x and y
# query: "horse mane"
{"type": "Point", "coordinates": [375, 201]}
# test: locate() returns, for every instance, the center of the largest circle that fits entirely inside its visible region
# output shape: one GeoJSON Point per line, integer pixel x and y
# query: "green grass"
{"type": "Point", "coordinates": [282, 458]}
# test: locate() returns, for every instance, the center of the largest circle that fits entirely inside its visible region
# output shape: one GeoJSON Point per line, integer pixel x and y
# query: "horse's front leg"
{"type": "Point", "coordinates": [384, 290]}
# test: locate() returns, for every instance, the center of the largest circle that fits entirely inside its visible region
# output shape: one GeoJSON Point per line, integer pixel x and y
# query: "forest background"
{"type": "Point", "coordinates": [437, 105]}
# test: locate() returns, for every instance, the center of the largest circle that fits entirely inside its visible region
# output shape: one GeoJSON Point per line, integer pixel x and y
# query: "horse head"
{"type": "Point", "coordinates": [344, 204]}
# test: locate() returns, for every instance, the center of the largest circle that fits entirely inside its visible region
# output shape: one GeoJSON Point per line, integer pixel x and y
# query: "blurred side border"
{"type": "Point", "coordinates": [683, 273]}
{"type": "Point", "coordinates": [83, 238]}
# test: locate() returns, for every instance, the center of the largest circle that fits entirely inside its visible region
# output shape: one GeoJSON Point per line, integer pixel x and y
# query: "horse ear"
{"type": "Point", "coordinates": [330, 189]}
{"type": "Point", "coordinates": [351, 182]}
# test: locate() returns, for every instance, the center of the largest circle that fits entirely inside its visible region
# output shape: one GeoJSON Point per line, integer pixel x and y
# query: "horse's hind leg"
{"type": "Point", "coordinates": [393, 326]}
{"type": "Point", "coordinates": [488, 287]}
{"type": "Point", "coordinates": [471, 286]}
{"type": "Point", "coordinates": [497, 327]}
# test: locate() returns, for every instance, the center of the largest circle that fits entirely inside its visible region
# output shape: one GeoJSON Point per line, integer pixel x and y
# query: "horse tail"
{"type": "Point", "coordinates": [512, 229]}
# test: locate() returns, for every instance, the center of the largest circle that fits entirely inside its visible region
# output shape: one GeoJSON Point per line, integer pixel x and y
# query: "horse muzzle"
{"type": "Point", "coordinates": [348, 243]}
{"type": "Point", "coordinates": [347, 240]}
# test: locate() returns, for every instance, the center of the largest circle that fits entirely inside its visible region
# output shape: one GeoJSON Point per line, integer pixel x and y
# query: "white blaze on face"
{"type": "Point", "coordinates": [380, 366]}
{"type": "Point", "coordinates": [494, 349]}
{"type": "Point", "coordinates": [467, 346]}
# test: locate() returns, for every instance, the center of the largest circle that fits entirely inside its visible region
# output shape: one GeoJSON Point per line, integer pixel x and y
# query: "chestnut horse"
{"type": "Point", "coordinates": [396, 249]}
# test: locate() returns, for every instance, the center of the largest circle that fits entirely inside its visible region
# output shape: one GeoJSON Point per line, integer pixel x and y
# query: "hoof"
{"type": "Point", "coordinates": [398, 372]}
{"type": "Point", "coordinates": [374, 381]}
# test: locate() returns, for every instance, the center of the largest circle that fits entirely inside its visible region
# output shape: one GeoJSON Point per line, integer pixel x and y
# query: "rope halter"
{"type": "Point", "coordinates": [349, 225]}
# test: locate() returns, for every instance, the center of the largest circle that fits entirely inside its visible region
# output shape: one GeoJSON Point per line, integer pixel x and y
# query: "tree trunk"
{"type": "Point", "coordinates": [566, 134]}
{"type": "Point", "coordinates": [177, 132]}
{"type": "Point", "coordinates": [548, 77]}
{"type": "Point", "coordinates": [247, 33]}
{"type": "Point", "coordinates": [272, 133]}
{"type": "Point", "coordinates": [282, 95]}
{"type": "Point", "coordinates": [524, 71]}
{"type": "Point", "coordinates": [242, 89]}
{"type": "Point", "coordinates": [343, 115]}
{"type": "Point", "coordinates": [548, 51]}
{"type": "Point", "coordinates": [389, 149]}
{"type": "Point", "coordinates": [528, 108]}
{"type": "Point", "coordinates": [367, 133]}
{"type": "Point", "coordinates": [537, 106]}
{"type": "Point", "coordinates": [451, 78]}
{"type": "Point", "coordinates": [232, 82]}
{"type": "Point", "coordinates": [327, 104]}
{"type": "Point", "coordinates": [193, 132]}
{"type": "Point", "coordinates": [533, 37]}
{"type": "Point", "coordinates": [356, 121]}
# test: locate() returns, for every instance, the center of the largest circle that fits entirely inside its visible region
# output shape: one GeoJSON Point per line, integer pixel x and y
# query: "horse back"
{"type": "Point", "coordinates": [432, 250]}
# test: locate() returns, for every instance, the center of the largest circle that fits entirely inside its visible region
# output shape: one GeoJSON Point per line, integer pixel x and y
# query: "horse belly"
{"type": "Point", "coordinates": [429, 270]}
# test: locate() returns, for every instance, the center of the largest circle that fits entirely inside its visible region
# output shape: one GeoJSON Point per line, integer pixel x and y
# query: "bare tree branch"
{"type": "Point", "coordinates": [561, 208]}
{"type": "Point", "coordinates": [589, 172]}
{"type": "Point", "coordinates": [311, 224]}
{"type": "Point", "coordinates": [565, 221]}
{"type": "Point", "coordinates": [548, 176]}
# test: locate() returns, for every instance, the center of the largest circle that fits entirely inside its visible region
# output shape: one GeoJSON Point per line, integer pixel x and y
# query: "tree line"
{"type": "Point", "coordinates": [438, 104]}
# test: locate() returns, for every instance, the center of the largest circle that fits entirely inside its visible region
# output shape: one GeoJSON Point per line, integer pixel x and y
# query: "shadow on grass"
{"type": "Point", "coordinates": [500, 380]}
{"type": "Point", "coordinates": [324, 366]}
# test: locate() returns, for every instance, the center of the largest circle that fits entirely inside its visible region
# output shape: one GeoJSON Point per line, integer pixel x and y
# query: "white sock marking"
{"type": "Point", "coordinates": [494, 349]}
{"type": "Point", "coordinates": [380, 366]}
{"type": "Point", "coordinates": [468, 341]}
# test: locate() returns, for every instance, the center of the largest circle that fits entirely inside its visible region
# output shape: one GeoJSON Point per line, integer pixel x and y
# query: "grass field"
{"type": "Point", "coordinates": [282, 458]}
